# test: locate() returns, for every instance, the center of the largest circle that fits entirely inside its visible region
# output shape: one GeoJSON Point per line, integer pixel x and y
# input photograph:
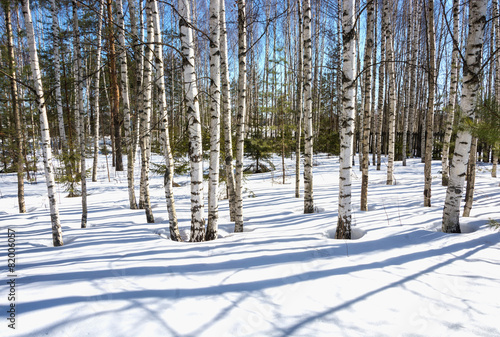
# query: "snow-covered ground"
{"type": "Point", "coordinates": [284, 276]}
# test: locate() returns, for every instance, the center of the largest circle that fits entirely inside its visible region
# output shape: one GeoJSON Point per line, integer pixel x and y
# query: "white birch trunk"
{"type": "Point", "coordinates": [226, 112]}
{"type": "Point", "coordinates": [146, 114]}
{"type": "Point", "coordinates": [300, 95]}
{"type": "Point", "coordinates": [308, 115]}
{"type": "Point", "coordinates": [164, 135]}
{"type": "Point", "coordinates": [431, 44]}
{"type": "Point", "coordinates": [122, 57]}
{"type": "Point", "coordinates": [241, 116]}
{"type": "Point", "coordinates": [347, 120]}
{"type": "Point", "coordinates": [392, 90]}
{"type": "Point", "coordinates": [194, 122]}
{"type": "Point", "coordinates": [213, 189]}
{"type": "Point", "coordinates": [381, 95]}
{"type": "Point", "coordinates": [44, 126]}
{"type": "Point", "coordinates": [468, 102]}
{"type": "Point", "coordinates": [445, 166]}
{"type": "Point", "coordinates": [57, 71]}
{"type": "Point", "coordinates": [80, 113]}
{"type": "Point", "coordinates": [97, 94]}
{"type": "Point", "coordinates": [367, 63]}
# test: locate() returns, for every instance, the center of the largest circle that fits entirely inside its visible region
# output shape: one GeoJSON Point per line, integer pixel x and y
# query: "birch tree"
{"type": "Point", "coordinates": [164, 135]}
{"type": "Point", "coordinates": [80, 111]}
{"type": "Point", "coordinates": [347, 120]}
{"type": "Point", "coordinates": [450, 109]}
{"type": "Point", "coordinates": [367, 63]}
{"type": "Point", "coordinates": [213, 187]}
{"type": "Point", "coordinates": [308, 115]}
{"type": "Point", "coordinates": [122, 57]}
{"type": "Point", "coordinates": [226, 112]}
{"type": "Point", "coordinates": [57, 72]}
{"type": "Point", "coordinates": [391, 73]}
{"type": "Point", "coordinates": [15, 108]}
{"type": "Point", "coordinates": [57, 238]}
{"type": "Point", "coordinates": [97, 93]}
{"type": "Point", "coordinates": [470, 95]}
{"type": "Point", "coordinates": [145, 114]}
{"type": "Point", "coordinates": [431, 45]}
{"type": "Point", "coordinates": [241, 115]}
{"type": "Point", "coordinates": [496, 147]}
{"type": "Point", "coordinates": [194, 122]}
{"type": "Point", "coordinates": [300, 95]}
{"type": "Point", "coordinates": [381, 95]}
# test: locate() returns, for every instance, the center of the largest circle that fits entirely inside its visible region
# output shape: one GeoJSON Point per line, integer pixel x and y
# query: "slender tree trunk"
{"type": "Point", "coordinates": [97, 94]}
{"type": "Point", "coordinates": [406, 85]}
{"type": "Point", "coordinates": [347, 120]}
{"type": "Point", "coordinates": [194, 122]}
{"type": "Point", "coordinates": [122, 56]}
{"type": "Point", "coordinates": [241, 116]}
{"type": "Point", "coordinates": [226, 113]}
{"type": "Point", "coordinates": [213, 190]}
{"type": "Point", "coordinates": [381, 95]}
{"type": "Point", "coordinates": [367, 108]}
{"type": "Point", "coordinates": [57, 71]}
{"type": "Point", "coordinates": [47, 151]}
{"type": "Point", "coordinates": [308, 114]}
{"type": "Point", "coordinates": [413, 77]}
{"type": "Point", "coordinates": [450, 109]}
{"type": "Point", "coordinates": [431, 45]}
{"type": "Point", "coordinates": [388, 4]}
{"type": "Point", "coordinates": [164, 132]}
{"type": "Point", "coordinates": [300, 102]}
{"type": "Point", "coordinates": [115, 93]}
{"type": "Point", "coordinates": [145, 116]}
{"type": "Point", "coordinates": [471, 178]}
{"type": "Point", "coordinates": [470, 90]}
{"type": "Point", "coordinates": [19, 144]}
{"type": "Point", "coordinates": [80, 116]}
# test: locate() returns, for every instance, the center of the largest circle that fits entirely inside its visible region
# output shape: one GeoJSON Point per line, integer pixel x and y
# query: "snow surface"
{"type": "Point", "coordinates": [284, 276]}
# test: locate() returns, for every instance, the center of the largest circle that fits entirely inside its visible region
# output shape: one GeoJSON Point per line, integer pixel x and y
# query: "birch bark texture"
{"type": "Point", "coordinates": [80, 113]}
{"type": "Point", "coordinates": [300, 96]}
{"type": "Point", "coordinates": [450, 109]}
{"type": "Point", "coordinates": [391, 73]}
{"type": "Point", "coordinates": [194, 122]}
{"type": "Point", "coordinates": [381, 95]}
{"type": "Point", "coordinates": [124, 85]}
{"type": "Point", "coordinates": [213, 187]}
{"type": "Point", "coordinates": [308, 114]}
{"type": "Point", "coordinates": [367, 64]}
{"type": "Point", "coordinates": [57, 238]}
{"type": "Point", "coordinates": [347, 120]}
{"type": "Point", "coordinates": [241, 115]}
{"type": "Point", "coordinates": [431, 79]}
{"type": "Point", "coordinates": [226, 113]}
{"type": "Point", "coordinates": [56, 40]}
{"type": "Point", "coordinates": [145, 116]}
{"type": "Point", "coordinates": [15, 109]}
{"type": "Point", "coordinates": [468, 102]}
{"type": "Point", "coordinates": [164, 133]}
